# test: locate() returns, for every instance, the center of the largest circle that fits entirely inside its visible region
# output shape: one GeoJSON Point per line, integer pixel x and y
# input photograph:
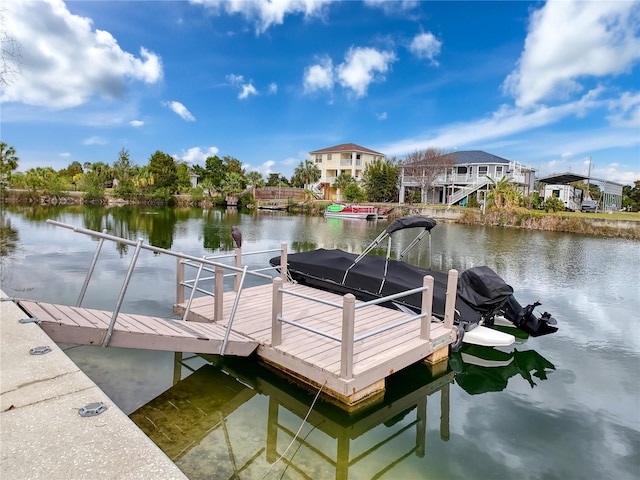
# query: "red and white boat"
{"type": "Point", "coordinates": [348, 210]}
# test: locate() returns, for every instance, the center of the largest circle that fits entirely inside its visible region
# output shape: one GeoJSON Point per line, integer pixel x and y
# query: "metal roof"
{"type": "Point", "coordinates": [569, 177]}
{"type": "Point", "coordinates": [562, 178]}
{"type": "Point", "coordinates": [478, 156]}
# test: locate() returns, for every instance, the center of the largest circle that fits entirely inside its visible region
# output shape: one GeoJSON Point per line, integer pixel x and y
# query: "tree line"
{"type": "Point", "coordinates": [163, 177]}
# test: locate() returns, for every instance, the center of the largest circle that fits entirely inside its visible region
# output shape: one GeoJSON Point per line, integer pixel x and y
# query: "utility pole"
{"type": "Point", "coordinates": [589, 177]}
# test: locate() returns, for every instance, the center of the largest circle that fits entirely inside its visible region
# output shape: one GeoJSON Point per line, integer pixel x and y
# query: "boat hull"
{"type": "Point", "coordinates": [364, 212]}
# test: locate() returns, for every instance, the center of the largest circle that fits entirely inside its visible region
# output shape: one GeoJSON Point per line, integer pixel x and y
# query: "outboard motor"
{"type": "Point", "coordinates": [527, 321]}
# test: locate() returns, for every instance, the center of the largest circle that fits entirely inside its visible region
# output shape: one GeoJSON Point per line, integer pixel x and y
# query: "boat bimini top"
{"type": "Point", "coordinates": [413, 221]}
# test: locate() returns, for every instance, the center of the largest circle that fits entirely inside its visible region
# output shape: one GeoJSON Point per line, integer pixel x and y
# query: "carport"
{"type": "Point", "coordinates": [611, 200]}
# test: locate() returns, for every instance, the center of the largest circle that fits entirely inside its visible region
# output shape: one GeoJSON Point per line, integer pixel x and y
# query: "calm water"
{"type": "Point", "coordinates": [565, 406]}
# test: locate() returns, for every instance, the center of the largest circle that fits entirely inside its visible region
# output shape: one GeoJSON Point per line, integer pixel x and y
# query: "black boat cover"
{"type": "Point", "coordinates": [325, 269]}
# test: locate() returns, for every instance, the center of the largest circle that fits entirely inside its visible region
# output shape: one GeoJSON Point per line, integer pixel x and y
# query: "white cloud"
{"type": "Point", "coordinates": [506, 123]}
{"type": "Point", "coordinates": [625, 111]}
{"type": "Point", "coordinates": [265, 14]}
{"type": "Point", "coordinates": [382, 116]}
{"type": "Point", "coordinates": [235, 80]}
{"type": "Point", "coordinates": [569, 41]}
{"type": "Point", "coordinates": [363, 66]}
{"type": "Point", "coordinates": [319, 76]}
{"type": "Point", "coordinates": [390, 7]}
{"type": "Point", "coordinates": [181, 110]}
{"type": "Point", "coordinates": [136, 123]}
{"type": "Point", "coordinates": [426, 45]}
{"type": "Point", "coordinates": [246, 88]}
{"type": "Point", "coordinates": [197, 155]}
{"type": "Point", "coordinates": [246, 91]}
{"type": "Point", "coordinates": [64, 154]}
{"type": "Point", "coordinates": [273, 88]}
{"type": "Point", "coordinates": [64, 61]}
{"type": "Point", "coordinates": [95, 140]}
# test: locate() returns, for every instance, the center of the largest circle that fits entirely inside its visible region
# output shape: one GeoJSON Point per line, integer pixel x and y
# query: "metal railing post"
{"type": "Point", "coordinates": [232, 315]}
{"type": "Point", "coordinates": [276, 312]}
{"type": "Point", "coordinates": [283, 261]}
{"type": "Point", "coordinates": [238, 263]}
{"type": "Point", "coordinates": [180, 270]}
{"type": "Point", "coordinates": [348, 329]}
{"type": "Point", "coordinates": [450, 303]}
{"type": "Point", "coordinates": [218, 289]}
{"type": "Point", "coordinates": [427, 307]}
{"type": "Point", "coordinates": [83, 290]}
{"type": "Point", "coordinates": [193, 292]}
{"type": "Point", "coordinates": [123, 290]}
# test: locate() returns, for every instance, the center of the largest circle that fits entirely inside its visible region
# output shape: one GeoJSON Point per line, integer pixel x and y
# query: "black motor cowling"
{"type": "Point", "coordinates": [526, 320]}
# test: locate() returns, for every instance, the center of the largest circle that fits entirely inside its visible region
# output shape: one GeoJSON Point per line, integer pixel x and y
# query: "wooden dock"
{"type": "Point", "coordinates": [326, 341]}
{"type": "Point", "coordinates": [311, 358]}
{"type": "Point", "coordinates": [315, 359]}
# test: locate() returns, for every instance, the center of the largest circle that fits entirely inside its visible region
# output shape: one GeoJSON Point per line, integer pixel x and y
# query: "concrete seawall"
{"type": "Point", "coordinates": [42, 434]}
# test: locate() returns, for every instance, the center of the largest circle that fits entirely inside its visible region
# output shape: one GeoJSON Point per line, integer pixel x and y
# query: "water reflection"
{"type": "Point", "coordinates": [484, 369]}
{"type": "Point", "coordinates": [8, 237]}
{"type": "Point", "coordinates": [233, 416]}
{"type": "Point", "coordinates": [218, 412]}
{"type": "Point", "coordinates": [581, 422]}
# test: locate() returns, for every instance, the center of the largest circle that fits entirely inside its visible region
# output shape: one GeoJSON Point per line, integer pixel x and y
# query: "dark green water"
{"type": "Point", "coordinates": [564, 406]}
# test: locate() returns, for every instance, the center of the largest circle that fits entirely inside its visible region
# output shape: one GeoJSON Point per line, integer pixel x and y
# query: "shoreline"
{"type": "Point", "coordinates": [596, 224]}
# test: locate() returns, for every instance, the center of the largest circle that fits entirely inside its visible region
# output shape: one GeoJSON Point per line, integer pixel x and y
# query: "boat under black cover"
{"type": "Point", "coordinates": [482, 293]}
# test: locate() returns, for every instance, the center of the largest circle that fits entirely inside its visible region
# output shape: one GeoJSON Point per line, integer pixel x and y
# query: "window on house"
{"type": "Point", "coordinates": [318, 158]}
{"type": "Point", "coordinates": [482, 170]}
{"type": "Point", "coordinates": [328, 157]}
{"type": "Point", "coordinates": [499, 170]}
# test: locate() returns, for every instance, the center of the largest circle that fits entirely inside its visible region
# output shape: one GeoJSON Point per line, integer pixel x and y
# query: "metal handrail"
{"type": "Point", "coordinates": [357, 306]}
{"type": "Point", "coordinates": [184, 258]}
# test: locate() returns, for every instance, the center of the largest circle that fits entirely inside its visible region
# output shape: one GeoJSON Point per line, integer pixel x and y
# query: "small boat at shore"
{"type": "Point", "coordinates": [484, 300]}
{"type": "Point", "coordinates": [348, 210]}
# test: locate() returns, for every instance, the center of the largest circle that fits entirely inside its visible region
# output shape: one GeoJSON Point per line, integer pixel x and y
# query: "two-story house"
{"type": "Point", "coordinates": [346, 158]}
{"type": "Point", "coordinates": [468, 176]}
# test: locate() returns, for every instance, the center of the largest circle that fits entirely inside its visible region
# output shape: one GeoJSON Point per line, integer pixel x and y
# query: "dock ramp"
{"type": "Point", "coordinates": [85, 326]}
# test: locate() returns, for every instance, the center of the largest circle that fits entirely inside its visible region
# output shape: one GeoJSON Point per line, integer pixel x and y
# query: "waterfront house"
{"type": "Point", "coordinates": [467, 176]}
{"type": "Point", "coordinates": [346, 158]}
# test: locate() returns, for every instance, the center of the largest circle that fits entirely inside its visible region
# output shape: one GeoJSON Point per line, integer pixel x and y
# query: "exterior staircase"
{"type": "Point", "coordinates": [467, 190]}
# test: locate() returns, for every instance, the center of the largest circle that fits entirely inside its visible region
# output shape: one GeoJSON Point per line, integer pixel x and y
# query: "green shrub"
{"type": "Point", "coordinates": [553, 204]}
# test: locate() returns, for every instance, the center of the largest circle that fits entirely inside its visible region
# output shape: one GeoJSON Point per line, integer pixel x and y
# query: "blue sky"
{"type": "Point", "coordinates": [548, 84]}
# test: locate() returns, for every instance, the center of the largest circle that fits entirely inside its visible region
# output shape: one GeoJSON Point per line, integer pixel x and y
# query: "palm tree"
{"type": "Point", "coordinates": [503, 193]}
{"type": "Point", "coordinates": [8, 163]}
{"type": "Point", "coordinates": [341, 182]}
{"type": "Point", "coordinates": [306, 174]}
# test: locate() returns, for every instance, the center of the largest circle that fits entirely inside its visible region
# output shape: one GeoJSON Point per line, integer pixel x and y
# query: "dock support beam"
{"type": "Point", "coordinates": [348, 329]}
{"type": "Point", "coordinates": [427, 307]}
{"type": "Point", "coordinates": [452, 293]}
{"type": "Point", "coordinates": [442, 354]}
